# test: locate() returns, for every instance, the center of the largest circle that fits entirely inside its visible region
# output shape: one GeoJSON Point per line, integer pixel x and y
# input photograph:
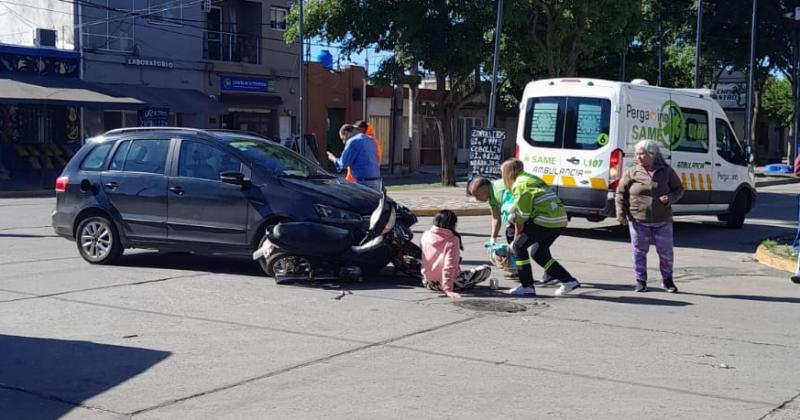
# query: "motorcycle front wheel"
{"type": "Point", "coordinates": [286, 268]}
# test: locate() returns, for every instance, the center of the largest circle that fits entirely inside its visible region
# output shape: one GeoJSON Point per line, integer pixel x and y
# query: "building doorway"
{"type": "Point", "coordinates": [335, 121]}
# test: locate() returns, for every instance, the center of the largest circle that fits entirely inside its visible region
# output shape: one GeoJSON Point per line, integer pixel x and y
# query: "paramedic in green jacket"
{"type": "Point", "coordinates": [539, 218]}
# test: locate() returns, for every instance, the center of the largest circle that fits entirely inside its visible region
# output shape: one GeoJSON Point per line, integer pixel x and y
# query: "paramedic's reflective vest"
{"type": "Point", "coordinates": [379, 147]}
{"type": "Point", "coordinates": [534, 200]}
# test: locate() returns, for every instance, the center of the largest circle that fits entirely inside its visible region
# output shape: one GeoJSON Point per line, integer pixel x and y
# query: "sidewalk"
{"type": "Point", "coordinates": [428, 201]}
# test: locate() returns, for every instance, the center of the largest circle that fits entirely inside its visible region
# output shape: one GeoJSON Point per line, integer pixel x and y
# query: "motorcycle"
{"type": "Point", "coordinates": [299, 251]}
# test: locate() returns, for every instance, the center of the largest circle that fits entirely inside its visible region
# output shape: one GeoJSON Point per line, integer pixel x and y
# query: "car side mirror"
{"type": "Point", "coordinates": [234, 178]}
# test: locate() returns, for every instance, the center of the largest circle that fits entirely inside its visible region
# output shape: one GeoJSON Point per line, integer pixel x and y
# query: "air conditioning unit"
{"type": "Point", "coordinates": [205, 5]}
{"type": "Point", "coordinates": [45, 37]}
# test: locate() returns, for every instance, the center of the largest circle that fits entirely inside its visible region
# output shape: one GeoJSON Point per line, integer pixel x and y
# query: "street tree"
{"type": "Point", "coordinates": [448, 38]}
{"type": "Point", "coordinates": [777, 100]}
{"type": "Point", "coordinates": [555, 38]}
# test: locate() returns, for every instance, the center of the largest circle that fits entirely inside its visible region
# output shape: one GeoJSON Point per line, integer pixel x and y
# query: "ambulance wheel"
{"type": "Point", "coordinates": [735, 217]}
{"type": "Point", "coordinates": [595, 219]}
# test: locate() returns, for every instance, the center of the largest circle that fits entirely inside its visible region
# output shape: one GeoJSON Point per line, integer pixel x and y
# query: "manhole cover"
{"type": "Point", "coordinates": [488, 305]}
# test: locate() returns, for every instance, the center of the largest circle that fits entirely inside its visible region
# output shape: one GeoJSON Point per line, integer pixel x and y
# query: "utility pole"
{"type": "Point", "coordinates": [698, 39]}
{"type": "Point", "coordinates": [301, 110]}
{"type": "Point", "coordinates": [795, 17]}
{"type": "Point", "coordinates": [497, 33]}
{"type": "Point", "coordinates": [749, 103]}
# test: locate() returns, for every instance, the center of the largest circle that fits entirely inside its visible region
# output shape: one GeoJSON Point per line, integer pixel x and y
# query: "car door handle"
{"type": "Point", "coordinates": [717, 164]}
{"type": "Point", "coordinates": [112, 185]}
{"type": "Point", "coordinates": [177, 190]}
{"type": "Point", "coordinates": [707, 163]}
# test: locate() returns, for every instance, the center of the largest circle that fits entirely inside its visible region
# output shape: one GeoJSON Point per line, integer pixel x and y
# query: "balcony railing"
{"type": "Point", "coordinates": [230, 46]}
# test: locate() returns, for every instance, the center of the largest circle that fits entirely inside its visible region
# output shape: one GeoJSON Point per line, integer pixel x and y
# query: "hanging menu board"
{"type": "Point", "coordinates": [486, 152]}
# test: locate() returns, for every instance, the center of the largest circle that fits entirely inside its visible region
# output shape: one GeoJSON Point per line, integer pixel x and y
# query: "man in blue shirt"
{"type": "Point", "coordinates": [360, 155]}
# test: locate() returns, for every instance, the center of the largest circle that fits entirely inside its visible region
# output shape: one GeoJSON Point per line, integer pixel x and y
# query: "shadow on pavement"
{"type": "Point", "coordinates": [635, 300]}
{"type": "Point", "coordinates": [779, 299]}
{"type": "Point", "coordinates": [701, 235]}
{"type": "Point", "coordinates": [63, 372]}
{"type": "Point", "coordinates": [191, 262]}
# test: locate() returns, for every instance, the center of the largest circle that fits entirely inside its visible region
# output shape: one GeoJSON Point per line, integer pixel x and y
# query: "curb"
{"type": "Point", "coordinates": [428, 212]}
{"type": "Point", "coordinates": [765, 257]}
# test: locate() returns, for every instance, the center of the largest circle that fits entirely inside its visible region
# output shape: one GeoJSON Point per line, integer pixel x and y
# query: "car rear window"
{"type": "Point", "coordinates": [95, 159]}
{"type": "Point", "coordinates": [567, 122]}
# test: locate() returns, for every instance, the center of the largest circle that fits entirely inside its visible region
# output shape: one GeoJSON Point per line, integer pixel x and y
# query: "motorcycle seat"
{"type": "Point", "coordinates": [313, 239]}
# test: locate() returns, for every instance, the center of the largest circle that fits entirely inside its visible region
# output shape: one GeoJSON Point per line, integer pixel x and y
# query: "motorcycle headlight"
{"type": "Point", "coordinates": [328, 214]}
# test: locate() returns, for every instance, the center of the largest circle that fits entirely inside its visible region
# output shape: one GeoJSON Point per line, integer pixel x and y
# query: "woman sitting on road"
{"type": "Point", "coordinates": [441, 256]}
{"type": "Point", "coordinates": [644, 202]}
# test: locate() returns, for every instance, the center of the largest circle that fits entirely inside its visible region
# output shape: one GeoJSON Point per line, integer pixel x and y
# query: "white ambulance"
{"type": "Point", "coordinates": [579, 134]}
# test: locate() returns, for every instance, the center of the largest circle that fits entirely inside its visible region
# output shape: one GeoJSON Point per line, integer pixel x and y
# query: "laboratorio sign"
{"type": "Point", "coordinates": [150, 62]}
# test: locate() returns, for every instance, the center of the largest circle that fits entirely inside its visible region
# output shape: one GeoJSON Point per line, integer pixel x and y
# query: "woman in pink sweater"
{"type": "Point", "coordinates": [441, 256]}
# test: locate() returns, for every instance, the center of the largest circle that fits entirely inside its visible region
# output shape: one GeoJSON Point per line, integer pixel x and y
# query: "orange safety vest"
{"type": "Point", "coordinates": [378, 146]}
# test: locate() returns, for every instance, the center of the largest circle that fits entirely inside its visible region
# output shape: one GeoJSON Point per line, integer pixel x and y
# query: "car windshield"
{"type": "Point", "coordinates": [282, 161]}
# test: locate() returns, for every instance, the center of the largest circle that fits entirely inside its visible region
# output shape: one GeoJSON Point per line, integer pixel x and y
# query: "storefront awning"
{"type": "Point", "coordinates": [60, 91]}
{"type": "Point", "coordinates": [187, 101]}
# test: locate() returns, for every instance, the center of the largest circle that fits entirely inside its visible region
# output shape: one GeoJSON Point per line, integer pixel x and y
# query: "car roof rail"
{"type": "Point", "coordinates": [135, 129]}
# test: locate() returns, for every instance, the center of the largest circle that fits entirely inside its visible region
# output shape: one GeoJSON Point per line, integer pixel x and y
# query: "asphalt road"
{"type": "Point", "coordinates": [185, 336]}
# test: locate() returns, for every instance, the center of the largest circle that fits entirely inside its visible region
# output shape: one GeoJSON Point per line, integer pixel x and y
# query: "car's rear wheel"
{"type": "Point", "coordinates": [98, 241]}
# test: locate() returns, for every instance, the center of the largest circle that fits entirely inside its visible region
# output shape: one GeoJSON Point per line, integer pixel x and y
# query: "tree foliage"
{"type": "Point", "coordinates": [446, 37]}
{"type": "Point", "coordinates": [777, 100]}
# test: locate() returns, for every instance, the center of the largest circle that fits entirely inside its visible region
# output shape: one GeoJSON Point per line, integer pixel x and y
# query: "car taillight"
{"type": "Point", "coordinates": [61, 183]}
{"type": "Point", "coordinates": [615, 169]}
{"type": "Point", "coordinates": [516, 151]}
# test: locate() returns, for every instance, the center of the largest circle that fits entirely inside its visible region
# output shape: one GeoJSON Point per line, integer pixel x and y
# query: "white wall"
{"type": "Point", "coordinates": [18, 22]}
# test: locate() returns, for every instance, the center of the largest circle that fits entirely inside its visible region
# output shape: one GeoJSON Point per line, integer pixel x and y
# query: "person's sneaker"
{"type": "Point", "coordinates": [641, 287]}
{"type": "Point", "coordinates": [546, 280]}
{"type": "Point", "coordinates": [669, 286]}
{"type": "Point", "coordinates": [567, 287]}
{"type": "Point", "coordinates": [522, 291]}
{"type": "Point", "coordinates": [796, 278]}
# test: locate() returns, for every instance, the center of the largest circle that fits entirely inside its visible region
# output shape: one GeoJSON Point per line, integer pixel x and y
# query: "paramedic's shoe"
{"type": "Point", "coordinates": [641, 286]}
{"type": "Point", "coordinates": [522, 291]}
{"type": "Point", "coordinates": [546, 280]}
{"type": "Point", "coordinates": [567, 287]}
{"type": "Point", "coordinates": [796, 278]}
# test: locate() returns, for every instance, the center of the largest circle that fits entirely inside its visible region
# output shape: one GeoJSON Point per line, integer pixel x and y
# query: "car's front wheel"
{"type": "Point", "coordinates": [98, 241]}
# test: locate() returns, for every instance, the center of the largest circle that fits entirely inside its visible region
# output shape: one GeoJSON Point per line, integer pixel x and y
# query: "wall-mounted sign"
{"type": "Point", "coordinates": [159, 63]}
{"type": "Point", "coordinates": [731, 95]}
{"type": "Point", "coordinates": [246, 84]}
{"type": "Point", "coordinates": [153, 117]}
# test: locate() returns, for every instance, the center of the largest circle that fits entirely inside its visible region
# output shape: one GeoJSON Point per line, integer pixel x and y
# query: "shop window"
{"type": "Point", "coordinates": [166, 12]}
{"type": "Point", "coordinates": [278, 18]}
{"type": "Point", "coordinates": [110, 26]}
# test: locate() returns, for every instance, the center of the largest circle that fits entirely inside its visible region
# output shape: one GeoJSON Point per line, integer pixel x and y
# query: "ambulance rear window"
{"type": "Point", "coordinates": [567, 122]}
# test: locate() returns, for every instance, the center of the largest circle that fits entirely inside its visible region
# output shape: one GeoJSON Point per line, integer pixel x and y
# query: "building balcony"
{"type": "Point", "coordinates": [231, 47]}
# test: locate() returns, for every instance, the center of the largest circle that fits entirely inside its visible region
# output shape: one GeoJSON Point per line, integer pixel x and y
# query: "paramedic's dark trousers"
{"type": "Point", "coordinates": [538, 239]}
